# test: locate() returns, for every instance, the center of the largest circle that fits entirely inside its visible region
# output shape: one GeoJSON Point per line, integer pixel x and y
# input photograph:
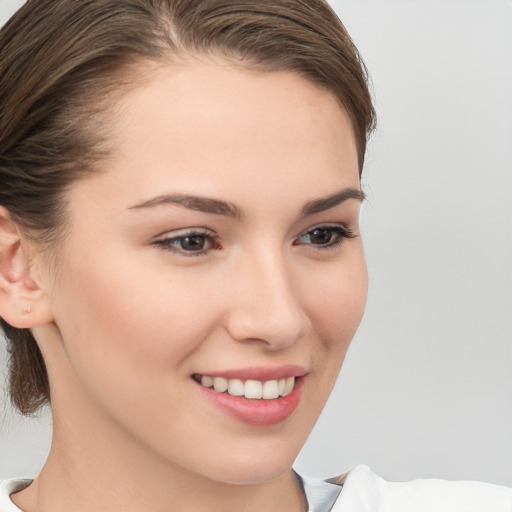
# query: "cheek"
{"type": "Point", "coordinates": [336, 301]}
{"type": "Point", "coordinates": [120, 322]}
{"type": "Point", "coordinates": [335, 304]}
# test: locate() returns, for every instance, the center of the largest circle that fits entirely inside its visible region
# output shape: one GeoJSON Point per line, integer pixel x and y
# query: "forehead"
{"type": "Point", "coordinates": [216, 107]}
{"type": "Point", "coordinates": [218, 129]}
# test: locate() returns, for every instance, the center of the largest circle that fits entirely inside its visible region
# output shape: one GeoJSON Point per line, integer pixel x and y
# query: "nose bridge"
{"type": "Point", "coordinates": [267, 307]}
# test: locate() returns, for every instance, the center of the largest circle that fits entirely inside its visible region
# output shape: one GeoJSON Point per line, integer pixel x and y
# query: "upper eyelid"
{"type": "Point", "coordinates": [168, 238]}
{"type": "Point", "coordinates": [178, 233]}
{"type": "Point", "coordinates": [327, 225]}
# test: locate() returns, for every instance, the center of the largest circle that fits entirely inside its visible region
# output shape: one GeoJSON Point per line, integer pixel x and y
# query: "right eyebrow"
{"type": "Point", "coordinates": [198, 203]}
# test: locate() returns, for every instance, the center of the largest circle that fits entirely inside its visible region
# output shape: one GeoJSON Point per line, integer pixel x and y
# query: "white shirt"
{"type": "Point", "coordinates": [361, 490]}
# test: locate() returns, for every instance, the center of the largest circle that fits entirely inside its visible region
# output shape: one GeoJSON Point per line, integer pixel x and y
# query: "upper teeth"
{"type": "Point", "coordinates": [250, 388]}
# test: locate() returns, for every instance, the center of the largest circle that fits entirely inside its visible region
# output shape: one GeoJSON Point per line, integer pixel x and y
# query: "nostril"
{"type": "Point", "coordinates": [277, 328]}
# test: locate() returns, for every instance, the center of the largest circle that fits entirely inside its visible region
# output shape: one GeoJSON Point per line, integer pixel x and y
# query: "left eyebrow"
{"type": "Point", "coordinates": [321, 205]}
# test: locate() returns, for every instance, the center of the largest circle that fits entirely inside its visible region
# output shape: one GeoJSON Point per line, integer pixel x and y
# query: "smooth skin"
{"type": "Point", "coordinates": [134, 308]}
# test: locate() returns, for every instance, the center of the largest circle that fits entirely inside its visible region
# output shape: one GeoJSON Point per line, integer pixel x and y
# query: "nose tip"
{"type": "Point", "coordinates": [270, 311]}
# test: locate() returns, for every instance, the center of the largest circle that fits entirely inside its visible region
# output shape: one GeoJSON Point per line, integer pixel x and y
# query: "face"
{"type": "Point", "coordinates": [218, 247]}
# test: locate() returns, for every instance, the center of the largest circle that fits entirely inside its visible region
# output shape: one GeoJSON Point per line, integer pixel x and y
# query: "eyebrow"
{"type": "Point", "coordinates": [321, 205]}
{"type": "Point", "coordinates": [198, 203]}
{"type": "Point", "coordinates": [228, 209]}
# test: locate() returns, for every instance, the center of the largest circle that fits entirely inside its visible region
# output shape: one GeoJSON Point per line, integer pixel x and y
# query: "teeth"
{"type": "Point", "coordinates": [253, 389]}
{"type": "Point", "coordinates": [207, 382]}
{"type": "Point", "coordinates": [288, 385]}
{"type": "Point", "coordinates": [220, 385]}
{"type": "Point", "coordinates": [236, 387]}
{"type": "Point", "coordinates": [270, 389]}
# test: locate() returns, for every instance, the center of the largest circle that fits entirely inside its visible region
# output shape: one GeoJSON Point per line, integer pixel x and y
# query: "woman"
{"type": "Point", "coordinates": [181, 269]}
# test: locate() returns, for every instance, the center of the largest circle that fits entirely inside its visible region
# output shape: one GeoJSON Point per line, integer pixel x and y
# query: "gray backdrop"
{"type": "Point", "coordinates": [426, 390]}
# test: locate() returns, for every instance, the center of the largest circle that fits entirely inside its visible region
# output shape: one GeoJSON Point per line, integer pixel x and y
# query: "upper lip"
{"type": "Point", "coordinates": [261, 373]}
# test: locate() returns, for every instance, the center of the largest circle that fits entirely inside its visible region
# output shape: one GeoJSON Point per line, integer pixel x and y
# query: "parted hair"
{"type": "Point", "coordinates": [63, 64]}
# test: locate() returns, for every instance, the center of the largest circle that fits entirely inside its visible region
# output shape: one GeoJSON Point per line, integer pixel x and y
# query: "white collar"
{"type": "Point", "coordinates": [321, 495]}
{"type": "Point", "coordinates": [9, 487]}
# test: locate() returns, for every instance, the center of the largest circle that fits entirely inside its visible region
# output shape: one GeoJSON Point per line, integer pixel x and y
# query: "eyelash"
{"type": "Point", "coordinates": [171, 244]}
{"type": "Point", "coordinates": [340, 231]}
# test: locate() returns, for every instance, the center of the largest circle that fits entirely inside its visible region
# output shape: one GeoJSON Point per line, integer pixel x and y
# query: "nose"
{"type": "Point", "coordinates": [265, 303]}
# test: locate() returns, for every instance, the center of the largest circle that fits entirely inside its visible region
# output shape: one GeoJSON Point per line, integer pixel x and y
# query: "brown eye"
{"type": "Point", "coordinates": [325, 236]}
{"type": "Point", "coordinates": [320, 236]}
{"type": "Point", "coordinates": [192, 243]}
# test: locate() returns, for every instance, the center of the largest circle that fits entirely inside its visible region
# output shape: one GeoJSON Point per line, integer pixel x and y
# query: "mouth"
{"type": "Point", "coordinates": [251, 389]}
{"type": "Point", "coordinates": [257, 396]}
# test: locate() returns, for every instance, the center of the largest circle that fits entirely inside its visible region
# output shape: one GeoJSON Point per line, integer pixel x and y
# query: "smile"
{"type": "Point", "coordinates": [252, 389]}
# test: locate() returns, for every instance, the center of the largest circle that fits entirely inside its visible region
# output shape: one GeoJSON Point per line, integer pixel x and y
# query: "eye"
{"type": "Point", "coordinates": [189, 243]}
{"type": "Point", "coordinates": [325, 236]}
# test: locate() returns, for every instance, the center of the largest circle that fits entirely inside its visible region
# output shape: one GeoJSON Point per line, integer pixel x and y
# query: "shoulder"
{"type": "Point", "coordinates": [364, 491]}
{"type": "Point", "coordinates": [8, 487]}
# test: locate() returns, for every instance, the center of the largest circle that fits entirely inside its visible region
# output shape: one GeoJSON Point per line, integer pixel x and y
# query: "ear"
{"type": "Point", "coordinates": [23, 302]}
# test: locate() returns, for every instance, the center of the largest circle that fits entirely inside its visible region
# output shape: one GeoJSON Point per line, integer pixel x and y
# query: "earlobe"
{"type": "Point", "coordinates": [23, 303]}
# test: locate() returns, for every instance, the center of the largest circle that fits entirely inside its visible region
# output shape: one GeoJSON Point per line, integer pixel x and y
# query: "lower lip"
{"type": "Point", "coordinates": [257, 413]}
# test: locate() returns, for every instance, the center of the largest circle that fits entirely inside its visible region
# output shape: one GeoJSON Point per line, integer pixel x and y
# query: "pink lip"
{"type": "Point", "coordinates": [257, 413]}
{"type": "Point", "coordinates": [262, 373]}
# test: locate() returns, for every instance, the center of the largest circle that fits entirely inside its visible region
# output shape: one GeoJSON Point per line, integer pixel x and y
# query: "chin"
{"type": "Point", "coordinates": [255, 473]}
{"type": "Point", "coordinates": [251, 467]}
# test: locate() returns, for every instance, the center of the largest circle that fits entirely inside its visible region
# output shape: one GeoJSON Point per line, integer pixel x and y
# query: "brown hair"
{"type": "Point", "coordinates": [62, 62]}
